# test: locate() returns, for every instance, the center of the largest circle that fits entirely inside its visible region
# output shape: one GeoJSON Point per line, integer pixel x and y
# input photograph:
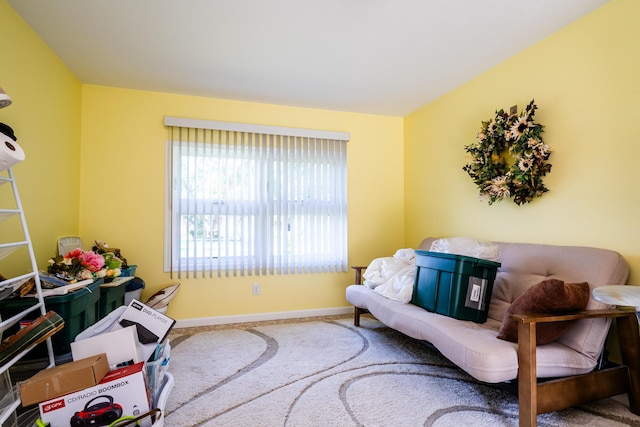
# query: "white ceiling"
{"type": "Point", "coordinates": [385, 57]}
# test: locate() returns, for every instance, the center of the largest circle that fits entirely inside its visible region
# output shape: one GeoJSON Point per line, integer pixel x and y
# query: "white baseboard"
{"type": "Point", "coordinates": [244, 318]}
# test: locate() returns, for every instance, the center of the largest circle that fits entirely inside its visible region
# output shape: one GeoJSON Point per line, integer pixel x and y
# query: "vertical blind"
{"type": "Point", "coordinates": [247, 199]}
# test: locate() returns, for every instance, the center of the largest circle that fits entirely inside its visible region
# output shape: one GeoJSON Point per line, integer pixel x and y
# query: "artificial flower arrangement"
{"type": "Point", "coordinates": [519, 176]}
{"type": "Point", "coordinates": [81, 265]}
{"type": "Point", "coordinates": [109, 254]}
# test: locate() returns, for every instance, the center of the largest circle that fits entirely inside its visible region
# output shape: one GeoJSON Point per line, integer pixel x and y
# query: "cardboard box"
{"type": "Point", "coordinates": [152, 326]}
{"type": "Point", "coordinates": [122, 392]}
{"type": "Point", "coordinates": [63, 379]}
{"type": "Point", "coordinates": [120, 346]}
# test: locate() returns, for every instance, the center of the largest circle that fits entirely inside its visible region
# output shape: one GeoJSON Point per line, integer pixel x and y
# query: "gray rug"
{"type": "Point", "coordinates": [329, 373]}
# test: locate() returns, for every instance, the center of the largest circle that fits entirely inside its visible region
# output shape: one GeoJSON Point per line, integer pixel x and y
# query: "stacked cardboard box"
{"type": "Point", "coordinates": [109, 376]}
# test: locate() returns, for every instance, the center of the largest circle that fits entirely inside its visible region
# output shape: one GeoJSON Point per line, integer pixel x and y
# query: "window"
{"type": "Point", "coordinates": [247, 199]}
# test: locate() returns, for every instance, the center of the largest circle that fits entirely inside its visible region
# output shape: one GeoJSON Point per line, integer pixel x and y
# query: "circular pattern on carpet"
{"type": "Point", "coordinates": [329, 373]}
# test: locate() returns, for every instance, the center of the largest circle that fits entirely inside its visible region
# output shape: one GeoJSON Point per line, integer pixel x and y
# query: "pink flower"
{"type": "Point", "coordinates": [92, 261]}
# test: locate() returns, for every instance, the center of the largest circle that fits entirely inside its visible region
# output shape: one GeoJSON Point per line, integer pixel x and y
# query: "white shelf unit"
{"type": "Point", "coordinates": [11, 210]}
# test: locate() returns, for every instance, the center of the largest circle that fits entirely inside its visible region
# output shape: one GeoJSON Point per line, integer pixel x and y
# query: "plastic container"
{"type": "Point", "coordinates": [79, 309]}
{"type": "Point", "coordinates": [6, 390]}
{"type": "Point", "coordinates": [111, 297]}
{"type": "Point", "coordinates": [457, 286]}
{"type": "Point", "coordinates": [68, 243]}
{"type": "Point", "coordinates": [134, 290]}
{"type": "Point", "coordinates": [128, 272]}
{"type": "Point", "coordinates": [164, 397]}
{"type": "Point", "coordinates": [11, 421]}
{"type": "Point", "coordinates": [9, 401]}
{"type": "Point", "coordinates": [28, 418]}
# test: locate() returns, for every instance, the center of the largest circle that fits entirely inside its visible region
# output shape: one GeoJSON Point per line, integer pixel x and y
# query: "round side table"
{"type": "Point", "coordinates": [619, 295]}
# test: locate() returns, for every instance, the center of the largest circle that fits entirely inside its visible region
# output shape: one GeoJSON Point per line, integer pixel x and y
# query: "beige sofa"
{"type": "Point", "coordinates": [475, 348]}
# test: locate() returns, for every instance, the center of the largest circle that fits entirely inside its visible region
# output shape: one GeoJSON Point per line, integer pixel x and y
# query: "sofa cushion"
{"type": "Point", "coordinates": [471, 346]}
{"type": "Point", "coordinates": [525, 264]}
{"type": "Point", "coordinates": [548, 296]}
{"type": "Point", "coordinates": [163, 297]}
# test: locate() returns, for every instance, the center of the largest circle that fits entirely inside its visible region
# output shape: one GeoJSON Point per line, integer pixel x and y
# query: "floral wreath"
{"type": "Point", "coordinates": [495, 176]}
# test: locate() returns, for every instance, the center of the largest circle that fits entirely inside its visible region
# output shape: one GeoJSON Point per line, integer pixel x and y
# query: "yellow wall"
{"type": "Point", "coordinates": [122, 183]}
{"type": "Point", "coordinates": [45, 116]}
{"type": "Point", "coordinates": [584, 78]}
{"type": "Point", "coordinates": [586, 82]}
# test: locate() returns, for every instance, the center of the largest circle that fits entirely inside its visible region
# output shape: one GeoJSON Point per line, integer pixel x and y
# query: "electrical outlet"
{"type": "Point", "coordinates": [256, 289]}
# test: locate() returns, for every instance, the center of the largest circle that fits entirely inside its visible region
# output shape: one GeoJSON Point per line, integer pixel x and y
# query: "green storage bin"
{"type": "Point", "coordinates": [111, 298]}
{"type": "Point", "coordinates": [128, 272]}
{"type": "Point", "coordinates": [457, 286]}
{"type": "Point", "coordinates": [79, 309]}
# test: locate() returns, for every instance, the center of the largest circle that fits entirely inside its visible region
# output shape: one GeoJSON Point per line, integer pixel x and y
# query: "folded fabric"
{"type": "Point", "coordinates": [380, 270]}
{"type": "Point", "coordinates": [407, 255]}
{"type": "Point", "coordinates": [399, 287]}
{"type": "Point", "coordinates": [35, 333]}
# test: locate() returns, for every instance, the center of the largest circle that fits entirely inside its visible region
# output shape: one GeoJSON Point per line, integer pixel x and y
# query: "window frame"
{"type": "Point", "coordinates": [233, 263]}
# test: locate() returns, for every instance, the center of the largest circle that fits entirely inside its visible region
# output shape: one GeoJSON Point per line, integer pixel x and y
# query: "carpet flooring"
{"type": "Point", "coordinates": [326, 372]}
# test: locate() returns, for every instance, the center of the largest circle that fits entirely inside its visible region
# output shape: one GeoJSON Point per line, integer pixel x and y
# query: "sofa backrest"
{"type": "Point", "coordinates": [526, 264]}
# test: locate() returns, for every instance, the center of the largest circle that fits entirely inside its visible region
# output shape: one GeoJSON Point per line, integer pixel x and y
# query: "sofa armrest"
{"type": "Point", "coordinates": [585, 314]}
{"type": "Point", "coordinates": [358, 269]}
{"type": "Point", "coordinates": [553, 395]}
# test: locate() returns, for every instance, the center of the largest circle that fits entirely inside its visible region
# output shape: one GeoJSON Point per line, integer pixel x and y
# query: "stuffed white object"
{"type": "Point", "coordinates": [380, 270]}
{"type": "Point", "coordinates": [163, 297]}
{"type": "Point", "coordinates": [399, 287]}
{"type": "Point", "coordinates": [393, 277]}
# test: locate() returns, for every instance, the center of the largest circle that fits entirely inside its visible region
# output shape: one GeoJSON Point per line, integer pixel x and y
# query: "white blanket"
{"type": "Point", "coordinates": [392, 277]}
